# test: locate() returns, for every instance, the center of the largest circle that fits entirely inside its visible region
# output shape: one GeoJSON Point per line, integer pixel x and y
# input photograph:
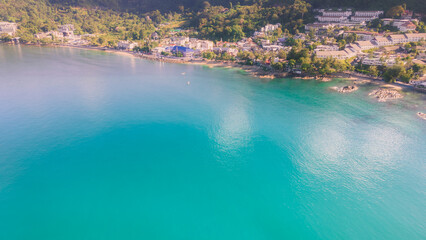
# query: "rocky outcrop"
{"type": "Point", "coordinates": [383, 94]}
{"type": "Point", "coordinates": [348, 89]}
{"type": "Point", "coordinates": [345, 89]}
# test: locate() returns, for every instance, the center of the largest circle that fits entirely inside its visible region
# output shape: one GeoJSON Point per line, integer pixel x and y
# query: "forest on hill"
{"type": "Point", "coordinates": [209, 21]}
{"type": "Point", "coordinates": [195, 5]}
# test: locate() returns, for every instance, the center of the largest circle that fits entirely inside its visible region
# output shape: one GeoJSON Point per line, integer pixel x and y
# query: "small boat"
{"type": "Point", "coordinates": [183, 73]}
{"type": "Point", "coordinates": [188, 83]}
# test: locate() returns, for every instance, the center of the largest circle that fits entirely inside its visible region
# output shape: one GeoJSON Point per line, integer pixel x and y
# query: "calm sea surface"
{"type": "Point", "coordinates": [96, 145]}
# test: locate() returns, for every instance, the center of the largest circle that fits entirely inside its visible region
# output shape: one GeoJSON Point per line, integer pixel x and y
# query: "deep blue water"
{"type": "Point", "coordinates": [96, 145]}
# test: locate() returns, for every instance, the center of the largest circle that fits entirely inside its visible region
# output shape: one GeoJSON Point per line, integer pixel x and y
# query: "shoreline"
{"type": "Point", "coordinates": [252, 70]}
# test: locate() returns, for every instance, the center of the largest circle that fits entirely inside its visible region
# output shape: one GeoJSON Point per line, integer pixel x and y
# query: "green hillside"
{"type": "Point", "coordinates": [173, 5]}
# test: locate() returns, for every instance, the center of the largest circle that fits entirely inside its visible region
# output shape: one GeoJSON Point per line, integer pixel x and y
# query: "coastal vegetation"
{"type": "Point", "coordinates": [105, 23]}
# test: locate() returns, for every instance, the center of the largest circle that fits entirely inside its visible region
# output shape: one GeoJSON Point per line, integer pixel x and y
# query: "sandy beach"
{"type": "Point", "coordinates": [254, 71]}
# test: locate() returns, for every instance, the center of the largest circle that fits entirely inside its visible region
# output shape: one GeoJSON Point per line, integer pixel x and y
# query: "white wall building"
{"type": "Point", "coordinates": [326, 48]}
{"type": "Point", "coordinates": [126, 45]}
{"type": "Point", "coordinates": [270, 27]}
{"type": "Point", "coordinates": [8, 28]}
{"type": "Point", "coordinates": [381, 41]}
{"type": "Point", "coordinates": [372, 61]}
{"type": "Point", "coordinates": [333, 54]}
{"type": "Point", "coordinates": [398, 38]}
{"type": "Point", "coordinates": [337, 13]}
{"type": "Point", "coordinates": [338, 19]}
{"type": "Point", "coordinates": [415, 37]}
{"type": "Point", "coordinates": [375, 14]}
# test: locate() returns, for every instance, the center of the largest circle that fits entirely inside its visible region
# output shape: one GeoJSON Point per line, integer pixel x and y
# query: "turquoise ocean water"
{"type": "Point", "coordinates": [96, 145]}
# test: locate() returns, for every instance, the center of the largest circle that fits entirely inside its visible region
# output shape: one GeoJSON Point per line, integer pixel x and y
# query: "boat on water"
{"type": "Point", "coordinates": [422, 115]}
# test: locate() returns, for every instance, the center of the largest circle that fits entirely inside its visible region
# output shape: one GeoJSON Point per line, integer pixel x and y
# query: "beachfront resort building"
{"type": "Point", "coordinates": [201, 45]}
{"type": "Point", "coordinates": [381, 41]}
{"type": "Point", "coordinates": [327, 48]}
{"type": "Point", "coordinates": [318, 26]}
{"type": "Point", "coordinates": [408, 26]}
{"type": "Point", "coordinates": [126, 45]}
{"type": "Point", "coordinates": [333, 54]}
{"type": "Point", "coordinates": [403, 25]}
{"type": "Point", "coordinates": [337, 13]}
{"type": "Point", "coordinates": [228, 50]}
{"type": "Point", "coordinates": [397, 38]}
{"type": "Point", "coordinates": [337, 19]}
{"type": "Point", "coordinates": [266, 29]}
{"type": "Point", "coordinates": [415, 37]}
{"type": "Point", "coordinates": [8, 28]}
{"type": "Point", "coordinates": [67, 30]}
{"type": "Point", "coordinates": [365, 45]}
{"type": "Point", "coordinates": [186, 52]}
{"type": "Point", "coordinates": [361, 35]}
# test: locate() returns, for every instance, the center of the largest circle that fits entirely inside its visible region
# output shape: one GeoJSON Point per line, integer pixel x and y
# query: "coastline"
{"type": "Point", "coordinates": [252, 70]}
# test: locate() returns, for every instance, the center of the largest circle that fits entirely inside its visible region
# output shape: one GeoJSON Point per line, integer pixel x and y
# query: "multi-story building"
{"type": "Point", "coordinates": [180, 41]}
{"type": "Point", "coordinates": [326, 48]}
{"type": "Point", "coordinates": [362, 18]}
{"type": "Point", "coordinates": [415, 37]}
{"type": "Point", "coordinates": [372, 61]}
{"type": "Point", "coordinates": [338, 19]}
{"type": "Point", "coordinates": [365, 45]}
{"type": "Point", "coordinates": [398, 38]}
{"type": "Point", "coordinates": [374, 14]}
{"type": "Point", "coordinates": [201, 45]}
{"type": "Point", "coordinates": [67, 30]}
{"type": "Point", "coordinates": [230, 51]}
{"type": "Point", "coordinates": [270, 27]}
{"type": "Point", "coordinates": [381, 41]}
{"type": "Point", "coordinates": [126, 45]}
{"type": "Point", "coordinates": [362, 35]}
{"type": "Point", "coordinates": [318, 26]}
{"type": "Point", "coordinates": [8, 28]}
{"type": "Point", "coordinates": [337, 13]}
{"type": "Point", "coordinates": [408, 26]}
{"type": "Point", "coordinates": [332, 54]}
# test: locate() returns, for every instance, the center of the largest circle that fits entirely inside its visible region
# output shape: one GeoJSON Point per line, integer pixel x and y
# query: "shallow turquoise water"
{"type": "Point", "coordinates": [102, 146]}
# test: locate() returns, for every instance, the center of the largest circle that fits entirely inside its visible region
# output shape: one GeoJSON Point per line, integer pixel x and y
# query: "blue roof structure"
{"type": "Point", "coordinates": [179, 49]}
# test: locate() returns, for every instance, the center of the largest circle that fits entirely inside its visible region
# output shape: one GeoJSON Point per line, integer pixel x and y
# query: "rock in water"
{"type": "Point", "coordinates": [348, 89]}
{"type": "Point", "coordinates": [345, 89]}
{"type": "Point", "coordinates": [384, 94]}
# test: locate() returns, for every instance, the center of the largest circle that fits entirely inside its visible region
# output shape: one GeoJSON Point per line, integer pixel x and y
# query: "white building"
{"type": "Point", "coordinates": [180, 41]}
{"type": "Point", "coordinates": [361, 19]}
{"type": "Point", "coordinates": [408, 26]}
{"type": "Point", "coordinates": [318, 26]}
{"type": "Point", "coordinates": [375, 14]}
{"type": "Point", "coordinates": [201, 45]}
{"type": "Point", "coordinates": [398, 38]}
{"type": "Point", "coordinates": [273, 48]}
{"type": "Point", "coordinates": [365, 45]}
{"type": "Point", "coordinates": [270, 27]}
{"type": "Point", "coordinates": [337, 13]}
{"type": "Point", "coordinates": [8, 28]}
{"type": "Point", "coordinates": [372, 61]}
{"type": "Point", "coordinates": [158, 50]}
{"type": "Point", "coordinates": [127, 45]}
{"type": "Point", "coordinates": [230, 51]}
{"type": "Point", "coordinates": [333, 54]}
{"type": "Point", "coordinates": [415, 37]}
{"type": "Point", "coordinates": [381, 41]}
{"type": "Point", "coordinates": [67, 30]}
{"type": "Point", "coordinates": [326, 48]}
{"type": "Point", "coordinates": [338, 19]}
{"type": "Point", "coordinates": [361, 35]}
